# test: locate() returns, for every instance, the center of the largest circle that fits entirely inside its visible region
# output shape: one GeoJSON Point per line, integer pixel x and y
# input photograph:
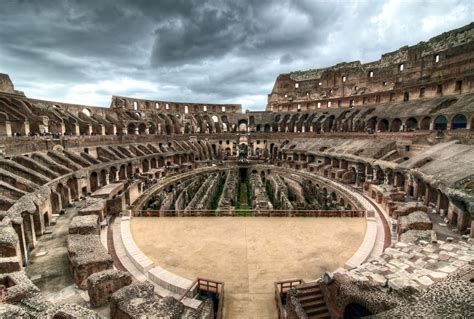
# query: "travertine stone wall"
{"type": "Point", "coordinates": [102, 285]}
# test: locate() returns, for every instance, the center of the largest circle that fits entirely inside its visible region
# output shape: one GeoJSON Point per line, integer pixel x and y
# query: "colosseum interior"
{"type": "Point", "coordinates": [351, 195]}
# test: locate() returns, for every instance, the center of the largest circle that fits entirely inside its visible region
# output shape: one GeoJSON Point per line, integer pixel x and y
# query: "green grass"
{"type": "Point", "coordinates": [243, 207]}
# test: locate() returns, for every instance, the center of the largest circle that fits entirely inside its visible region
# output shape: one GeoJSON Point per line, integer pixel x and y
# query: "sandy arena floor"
{"type": "Point", "coordinates": [249, 254]}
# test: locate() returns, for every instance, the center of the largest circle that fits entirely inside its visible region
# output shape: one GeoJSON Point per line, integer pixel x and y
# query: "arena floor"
{"type": "Point", "coordinates": [249, 254]}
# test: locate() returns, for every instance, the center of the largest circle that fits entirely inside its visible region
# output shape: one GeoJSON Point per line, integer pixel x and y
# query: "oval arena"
{"type": "Point", "coordinates": [350, 195]}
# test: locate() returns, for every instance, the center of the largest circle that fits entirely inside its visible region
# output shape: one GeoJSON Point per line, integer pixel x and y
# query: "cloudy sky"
{"type": "Point", "coordinates": [227, 51]}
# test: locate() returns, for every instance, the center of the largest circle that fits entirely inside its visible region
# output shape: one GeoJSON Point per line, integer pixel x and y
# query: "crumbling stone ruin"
{"type": "Point", "coordinates": [101, 285]}
{"type": "Point", "coordinates": [85, 225]}
{"type": "Point", "coordinates": [86, 256]}
{"type": "Point", "coordinates": [138, 299]}
{"type": "Point", "coordinates": [389, 141]}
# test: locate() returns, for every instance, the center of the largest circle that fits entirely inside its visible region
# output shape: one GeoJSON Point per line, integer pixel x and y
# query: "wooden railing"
{"type": "Point", "coordinates": [209, 286]}
{"type": "Point", "coordinates": [281, 287]}
{"type": "Point", "coordinates": [255, 213]}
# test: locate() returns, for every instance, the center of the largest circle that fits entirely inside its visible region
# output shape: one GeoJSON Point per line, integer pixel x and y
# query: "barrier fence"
{"type": "Point", "coordinates": [254, 213]}
{"type": "Point", "coordinates": [210, 289]}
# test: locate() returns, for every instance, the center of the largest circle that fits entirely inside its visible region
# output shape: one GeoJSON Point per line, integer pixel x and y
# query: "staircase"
{"type": "Point", "coordinates": [311, 299]}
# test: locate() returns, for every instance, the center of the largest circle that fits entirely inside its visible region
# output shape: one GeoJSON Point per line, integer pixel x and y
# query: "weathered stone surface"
{"type": "Point", "coordinates": [85, 225]}
{"type": "Point", "coordinates": [86, 256]}
{"type": "Point", "coordinates": [101, 285]}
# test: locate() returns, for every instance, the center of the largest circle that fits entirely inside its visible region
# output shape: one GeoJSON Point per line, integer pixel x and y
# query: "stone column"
{"type": "Point", "coordinates": [25, 128]}
{"type": "Point", "coordinates": [6, 130]}
{"type": "Point", "coordinates": [427, 195]}
{"type": "Point", "coordinates": [77, 130]}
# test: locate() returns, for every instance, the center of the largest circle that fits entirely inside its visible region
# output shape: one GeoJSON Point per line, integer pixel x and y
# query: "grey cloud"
{"type": "Point", "coordinates": [204, 50]}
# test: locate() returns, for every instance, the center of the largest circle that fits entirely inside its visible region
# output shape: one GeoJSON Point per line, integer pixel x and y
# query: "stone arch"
{"type": "Point", "coordinates": [103, 177]}
{"type": "Point", "coordinates": [145, 165]}
{"type": "Point", "coordinates": [440, 122]}
{"type": "Point", "coordinates": [64, 195]}
{"type": "Point", "coordinates": [122, 172]}
{"type": "Point", "coordinates": [396, 125]}
{"type": "Point", "coordinates": [411, 124]}
{"type": "Point", "coordinates": [113, 174]}
{"type": "Point", "coordinates": [371, 123]}
{"type": "Point", "coordinates": [459, 122]}
{"type": "Point", "coordinates": [425, 123]}
{"type": "Point", "coordinates": [142, 128]}
{"type": "Point", "coordinates": [383, 125]}
{"type": "Point", "coordinates": [355, 310]}
{"type": "Point", "coordinates": [131, 128]}
{"type": "Point", "coordinates": [242, 126]}
{"type": "Point", "coordinates": [73, 188]}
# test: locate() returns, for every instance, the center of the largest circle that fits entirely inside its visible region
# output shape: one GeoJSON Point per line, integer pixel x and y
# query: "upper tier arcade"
{"type": "Point", "coordinates": [439, 67]}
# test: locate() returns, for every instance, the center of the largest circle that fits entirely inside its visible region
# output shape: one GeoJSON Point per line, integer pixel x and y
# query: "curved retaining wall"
{"type": "Point", "coordinates": [180, 285]}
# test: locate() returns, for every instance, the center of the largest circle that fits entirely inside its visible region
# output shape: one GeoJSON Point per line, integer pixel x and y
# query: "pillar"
{"type": "Point", "coordinates": [77, 130]}
{"type": "Point", "coordinates": [6, 129]}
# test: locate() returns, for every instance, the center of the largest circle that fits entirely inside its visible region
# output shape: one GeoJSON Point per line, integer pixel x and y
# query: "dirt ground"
{"type": "Point", "coordinates": [249, 254]}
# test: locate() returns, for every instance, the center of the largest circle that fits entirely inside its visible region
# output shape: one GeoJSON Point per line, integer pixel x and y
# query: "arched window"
{"type": "Point", "coordinates": [441, 123]}
{"type": "Point", "coordinates": [87, 112]}
{"type": "Point", "coordinates": [459, 122]}
{"type": "Point", "coordinates": [425, 123]}
{"type": "Point", "coordinates": [411, 124]}
{"type": "Point", "coordinates": [135, 105]}
{"type": "Point", "coordinates": [186, 110]}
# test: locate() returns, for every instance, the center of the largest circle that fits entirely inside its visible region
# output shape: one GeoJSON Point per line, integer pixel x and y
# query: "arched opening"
{"type": "Point", "coordinates": [131, 128]}
{"type": "Point", "coordinates": [355, 310]}
{"type": "Point", "coordinates": [113, 174]}
{"type": "Point", "coordinates": [425, 123]}
{"type": "Point", "coordinates": [94, 182]}
{"type": "Point", "coordinates": [142, 128]}
{"type": "Point", "coordinates": [73, 189]}
{"type": "Point", "coordinates": [411, 124]}
{"type": "Point", "coordinates": [145, 165]}
{"type": "Point", "coordinates": [396, 125]}
{"type": "Point", "coordinates": [86, 112]}
{"type": "Point", "coordinates": [459, 122]}
{"type": "Point", "coordinates": [103, 178]}
{"type": "Point", "coordinates": [441, 123]}
{"type": "Point", "coordinates": [122, 173]}
{"type": "Point", "coordinates": [371, 124]}
{"type": "Point", "coordinates": [383, 125]}
{"type": "Point", "coordinates": [243, 126]}
{"type": "Point", "coordinates": [64, 194]}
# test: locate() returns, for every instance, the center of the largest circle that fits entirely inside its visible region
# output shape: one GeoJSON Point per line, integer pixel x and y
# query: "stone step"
{"type": "Point", "coordinates": [316, 311]}
{"type": "Point", "coordinates": [312, 304]}
{"type": "Point", "coordinates": [311, 297]}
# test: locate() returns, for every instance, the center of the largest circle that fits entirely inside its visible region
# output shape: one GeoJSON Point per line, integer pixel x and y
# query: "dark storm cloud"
{"type": "Point", "coordinates": [211, 51]}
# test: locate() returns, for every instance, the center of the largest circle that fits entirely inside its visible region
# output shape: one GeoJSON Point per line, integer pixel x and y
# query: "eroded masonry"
{"type": "Point", "coordinates": [389, 142]}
